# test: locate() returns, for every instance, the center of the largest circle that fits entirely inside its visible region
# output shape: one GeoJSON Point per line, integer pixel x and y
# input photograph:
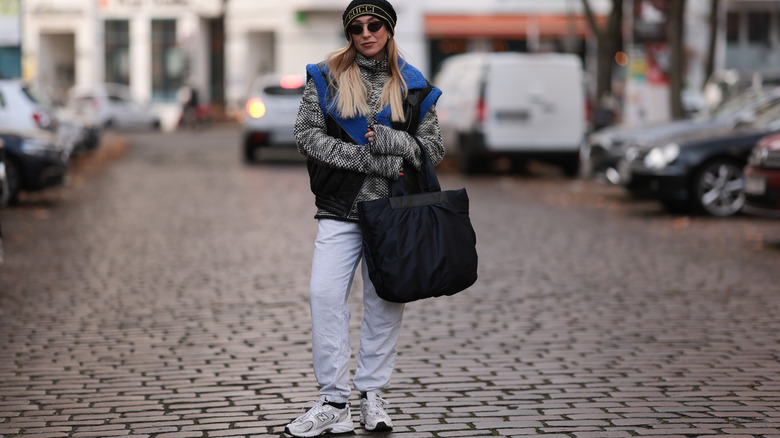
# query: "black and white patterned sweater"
{"type": "Point", "coordinates": [383, 159]}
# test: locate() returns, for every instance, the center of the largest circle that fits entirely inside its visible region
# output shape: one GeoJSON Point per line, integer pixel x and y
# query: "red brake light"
{"type": "Point", "coordinates": [481, 110]}
{"type": "Point", "coordinates": [291, 82]}
{"type": "Point", "coordinates": [43, 120]}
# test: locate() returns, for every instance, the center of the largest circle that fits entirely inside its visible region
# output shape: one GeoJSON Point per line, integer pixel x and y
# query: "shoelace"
{"type": "Point", "coordinates": [376, 405]}
{"type": "Point", "coordinates": [311, 411]}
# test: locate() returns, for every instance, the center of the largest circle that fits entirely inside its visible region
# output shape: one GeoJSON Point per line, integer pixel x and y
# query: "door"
{"type": "Point", "coordinates": [534, 103]}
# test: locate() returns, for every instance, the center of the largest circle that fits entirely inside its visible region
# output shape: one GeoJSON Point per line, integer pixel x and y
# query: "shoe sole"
{"type": "Point", "coordinates": [332, 431]}
{"type": "Point", "coordinates": [380, 427]}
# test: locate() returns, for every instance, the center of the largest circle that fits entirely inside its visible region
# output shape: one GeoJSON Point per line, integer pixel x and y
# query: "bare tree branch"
{"type": "Point", "coordinates": [591, 18]}
{"type": "Point", "coordinates": [709, 66]}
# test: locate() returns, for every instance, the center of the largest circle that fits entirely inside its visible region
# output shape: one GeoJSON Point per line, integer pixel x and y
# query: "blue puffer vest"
{"type": "Point", "coordinates": [335, 189]}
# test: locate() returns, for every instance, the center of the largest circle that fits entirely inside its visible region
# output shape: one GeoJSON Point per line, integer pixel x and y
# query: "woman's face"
{"type": "Point", "coordinates": [370, 44]}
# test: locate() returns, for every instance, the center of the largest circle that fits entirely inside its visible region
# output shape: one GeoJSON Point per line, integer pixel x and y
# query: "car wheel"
{"type": "Point", "coordinates": [250, 151]}
{"type": "Point", "coordinates": [470, 160]}
{"type": "Point", "coordinates": [571, 166]}
{"type": "Point", "coordinates": [719, 188]}
{"type": "Point", "coordinates": [12, 176]}
{"type": "Point", "coordinates": [471, 164]}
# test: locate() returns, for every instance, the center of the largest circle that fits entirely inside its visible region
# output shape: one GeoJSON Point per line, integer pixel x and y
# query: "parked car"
{"type": "Point", "coordinates": [515, 105]}
{"type": "Point", "coordinates": [700, 170]}
{"type": "Point", "coordinates": [762, 178]}
{"type": "Point", "coordinates": [26, 110]}
{"type": "Point", "coordinates": [33, 162]}
{"type": "Point", "coordinates": [79, 132]}
{"type": "Point", "coordinates": [111, 106]}
{"type": "Point", "coordinates": [22, 110]}
{"type": "Point", "coordinates": [604, 149]}
{"type": "Point", "coordinates": [270, 111]}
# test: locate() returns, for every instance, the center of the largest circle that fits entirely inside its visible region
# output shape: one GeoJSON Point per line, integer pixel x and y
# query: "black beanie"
{"type": "Point", "coordinates": [380, 9]}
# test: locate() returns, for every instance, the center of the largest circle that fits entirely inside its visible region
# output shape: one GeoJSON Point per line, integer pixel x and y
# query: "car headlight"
{"type": "Point", "coordinates": [758, 157]}
{"type": "Point", "coordinates": [33, 146]}
{"type": "Point", "coordinates": [661, 156]}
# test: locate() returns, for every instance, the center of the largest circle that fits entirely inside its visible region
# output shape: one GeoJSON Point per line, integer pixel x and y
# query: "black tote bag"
{"type": "Point", "coordinates": [419, 245]}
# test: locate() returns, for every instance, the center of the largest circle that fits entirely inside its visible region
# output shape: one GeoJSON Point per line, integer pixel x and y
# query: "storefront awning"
{"type": "Point", "coordinates": [508, 26]}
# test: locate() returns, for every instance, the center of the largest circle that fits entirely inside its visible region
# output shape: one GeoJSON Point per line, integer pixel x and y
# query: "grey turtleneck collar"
{"type": "Point", "coordinates": [371, 64]}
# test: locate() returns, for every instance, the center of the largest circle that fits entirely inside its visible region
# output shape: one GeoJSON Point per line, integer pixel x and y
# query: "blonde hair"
{"type": "Point", "coordinates": [351, 92]}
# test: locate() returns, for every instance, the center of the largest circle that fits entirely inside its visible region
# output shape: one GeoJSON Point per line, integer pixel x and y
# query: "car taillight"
{"type": "Point", "coordinates": [43, 120]}
{"type": "Point", "coordinates": [291, 82]}
{"type": "Point", "coordinates": [255, 108]}
{"type": "Point", "coordinates": [481, 110]}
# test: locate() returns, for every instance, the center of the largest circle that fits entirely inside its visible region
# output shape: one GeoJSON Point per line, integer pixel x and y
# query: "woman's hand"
{"type": "Point", "coordinates": [370, 135]}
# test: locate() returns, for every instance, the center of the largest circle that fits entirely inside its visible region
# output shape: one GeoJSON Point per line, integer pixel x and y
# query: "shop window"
{"type": "Point", "coordinates": [758, 27]}
{"type": "Point", "coordinates": [10, 62]}
{"type": "Point", "coordinates": [117, 37]}
{"type": "Point", "coordinates": [168, 64]}
{"type": "Point", "coordinates": [732, 27]}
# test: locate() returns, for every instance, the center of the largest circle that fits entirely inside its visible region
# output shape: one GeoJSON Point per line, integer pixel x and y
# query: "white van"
{"type": "Point", "coordinates": [514, 105]}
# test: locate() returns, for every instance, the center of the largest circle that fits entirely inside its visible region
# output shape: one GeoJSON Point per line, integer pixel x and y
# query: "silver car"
{"type": "Point", "coordinates": [110, 106]}
{"type": "Point", "coordinates": [269, 113]}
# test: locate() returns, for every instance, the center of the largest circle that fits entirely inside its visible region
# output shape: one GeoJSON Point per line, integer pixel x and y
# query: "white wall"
{"type": "Point", "coordinates": [511, 6]}
{"type": "Point", "coordinates": [10, 24]}
{"type": "Point", "coordinates": [304, 32]}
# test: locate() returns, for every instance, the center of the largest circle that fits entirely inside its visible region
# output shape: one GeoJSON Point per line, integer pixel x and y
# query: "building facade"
{"type": "Point", "coordinates": [264, 36]}
{"type": "Point", "coordinates": [153, 46]}
{"type": "Point", "coordinates": [219, 46]}
{"type": "Point", "coordinates": [10, 39]}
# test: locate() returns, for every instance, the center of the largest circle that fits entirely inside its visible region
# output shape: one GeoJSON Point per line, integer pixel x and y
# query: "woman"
{"type": "Point", "coordinates": [356, 122]}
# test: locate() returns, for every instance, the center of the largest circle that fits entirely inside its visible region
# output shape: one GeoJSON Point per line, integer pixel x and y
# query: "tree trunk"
{"type": "Point", "coordinates": [677, 57]}
{"type": "Point", "coordinates": [609, 41]}
{"type": "Point", "coordinates": [709, 67]}
{"type": "Point", "coordinates": [614, 42]}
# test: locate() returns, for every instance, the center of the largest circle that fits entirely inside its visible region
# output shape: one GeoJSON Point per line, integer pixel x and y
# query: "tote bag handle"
{"type": "Point", "coordinates": [416, 181]}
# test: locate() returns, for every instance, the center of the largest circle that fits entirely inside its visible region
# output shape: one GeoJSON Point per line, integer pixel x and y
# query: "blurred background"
{"type": "Point", "coordinates": [156, 47]}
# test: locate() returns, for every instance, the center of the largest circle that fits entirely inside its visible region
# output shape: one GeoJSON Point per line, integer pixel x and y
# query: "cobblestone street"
{"type": "Point", "coordinates": [163, 293]}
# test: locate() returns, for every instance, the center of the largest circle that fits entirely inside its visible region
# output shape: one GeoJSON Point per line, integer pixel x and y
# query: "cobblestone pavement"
{"type": "Point", "coordinates": [163, 293]}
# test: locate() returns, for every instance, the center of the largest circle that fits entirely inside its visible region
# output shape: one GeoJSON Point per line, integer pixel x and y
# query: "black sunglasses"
{"type": "Point", "coordinates": [357, 29]}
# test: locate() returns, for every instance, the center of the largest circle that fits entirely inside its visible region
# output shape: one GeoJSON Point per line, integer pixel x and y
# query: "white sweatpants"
{"type": "Point", "coordinates": [337, 252]}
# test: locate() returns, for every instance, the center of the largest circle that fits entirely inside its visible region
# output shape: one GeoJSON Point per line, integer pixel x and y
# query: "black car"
{"type": "Point", "coordinates": [604, 149]}
{"type": "Point", "coordinates": [702, 171]}
{"type": "Point", "coordinates": [32, 163]}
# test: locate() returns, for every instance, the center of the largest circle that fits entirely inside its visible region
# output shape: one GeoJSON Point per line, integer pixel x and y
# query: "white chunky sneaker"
{"type": "Point", "coordinates": [321, 419]}
{"type": "Point", "coordinates": [373, 415]}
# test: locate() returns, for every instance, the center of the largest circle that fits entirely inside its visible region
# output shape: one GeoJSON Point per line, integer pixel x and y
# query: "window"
{"type": "Point", "coordinates": [732, 27]}
{"type": "Point", "coordinates": [10, 62]}
{"type": "Point", "coordinates": [117, 51]}
{"type": "Point", "coordinates": [758, 27]}
{"type": "Point", "coordinates": [168, 64]}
